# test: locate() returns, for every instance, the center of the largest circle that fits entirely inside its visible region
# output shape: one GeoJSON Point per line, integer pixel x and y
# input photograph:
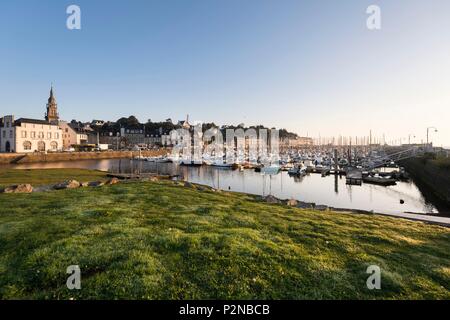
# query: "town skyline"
{"type": "Point", "coordinates": [322, 70]}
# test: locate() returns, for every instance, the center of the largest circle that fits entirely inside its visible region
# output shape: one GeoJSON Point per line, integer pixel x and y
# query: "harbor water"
{"type": "Point", "coordinates": [330, 190]}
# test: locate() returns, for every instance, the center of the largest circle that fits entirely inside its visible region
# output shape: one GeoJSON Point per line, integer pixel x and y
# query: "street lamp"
{"type": "Point", "coordinates": [428, 129]}
{"type": "Point", "coordinates": [409, 137]}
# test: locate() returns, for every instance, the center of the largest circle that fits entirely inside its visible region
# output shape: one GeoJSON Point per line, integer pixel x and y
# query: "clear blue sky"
{"type": "Point", "coordinates": [309, 66]}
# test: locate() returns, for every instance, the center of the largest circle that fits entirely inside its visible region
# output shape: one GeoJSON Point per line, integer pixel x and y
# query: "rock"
{"type": "Point", "coordinates": [271, 199]}
{"type": "Point", "coordinates": [96, 184]}
{"type": "Point", "coordinates": [71, 184]}
{"type": "Point", "coordinates": [292, 203]}
{"type": "Point", "coordinates": [112, 181]}
{"type": "Point", "coordinates": [21, 188]}
{"type": "Point", "coordinates": [84, 184]}
{"type": "Point", "coordinates": [305, 205]}
{"type": "Point", "coordinates": [203, 188]}
{"type": "Point", "coordinates": [189, 185]}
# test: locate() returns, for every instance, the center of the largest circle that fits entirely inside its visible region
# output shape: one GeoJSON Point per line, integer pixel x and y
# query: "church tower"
{"type": "Point", "coordinates": [52, 108]}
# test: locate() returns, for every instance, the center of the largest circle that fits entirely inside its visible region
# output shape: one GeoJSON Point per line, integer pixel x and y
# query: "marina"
{"type": "Point", "coordinates": [330, 189]}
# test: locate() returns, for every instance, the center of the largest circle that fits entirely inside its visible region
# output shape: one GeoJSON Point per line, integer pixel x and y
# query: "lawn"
{"type": "Point", "coordinates": [38, 177]}
{"type": "Point", "coordinates": [159, 240]}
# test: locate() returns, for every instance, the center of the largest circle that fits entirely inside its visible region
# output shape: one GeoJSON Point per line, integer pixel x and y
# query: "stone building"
{"type": "Point", "coordinates": [29, 135]}
{"type": "Point", "coordinates": [52, 109]}
{"type": "Point", "coordinates": [72, 135]}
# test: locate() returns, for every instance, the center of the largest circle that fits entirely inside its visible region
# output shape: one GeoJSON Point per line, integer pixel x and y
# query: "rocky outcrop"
{"type": "Point", "coordinates": [70, 184]}
{"type": "Point", "coordinates": [20, 188]}
{"type": "Point", "coordinates": [272, 199]}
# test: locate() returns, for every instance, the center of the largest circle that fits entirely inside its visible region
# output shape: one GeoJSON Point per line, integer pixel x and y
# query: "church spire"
{"type": "Point", "coordinates": [52, 108]}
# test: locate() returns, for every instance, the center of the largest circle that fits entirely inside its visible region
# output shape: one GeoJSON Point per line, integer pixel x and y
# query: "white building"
{"type": "Point", "coordinates": [29, 135]}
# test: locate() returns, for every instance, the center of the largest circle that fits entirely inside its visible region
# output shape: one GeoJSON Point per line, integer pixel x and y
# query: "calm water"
{"type": "Point", "coordinates": [330, 190]}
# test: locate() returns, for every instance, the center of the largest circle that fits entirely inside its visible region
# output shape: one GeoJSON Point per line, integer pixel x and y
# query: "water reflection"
{"type": "Point", "coordinates": [330, 190]}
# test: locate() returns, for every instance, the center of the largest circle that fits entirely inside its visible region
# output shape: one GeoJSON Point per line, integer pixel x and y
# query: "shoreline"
{"type": "Point", "coordinates": [25, 158]}
{"type": "Point", "coordinates": [294, 203]}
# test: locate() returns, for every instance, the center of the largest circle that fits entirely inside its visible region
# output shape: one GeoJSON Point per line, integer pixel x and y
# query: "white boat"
{"type": "Point", "coordinates": [163, 160]}
{"type": "Point", "coordinates": [271, 170]}
{"type": "Point", "coordinates": [298, 170]}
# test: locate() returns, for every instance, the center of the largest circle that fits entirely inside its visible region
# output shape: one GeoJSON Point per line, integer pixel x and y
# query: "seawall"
{"type": "Point", "coordinates": [16, 158]}
{"type": "Point", "coordinates": [432, 176]}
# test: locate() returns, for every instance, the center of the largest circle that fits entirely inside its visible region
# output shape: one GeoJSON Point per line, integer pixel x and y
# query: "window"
{"type": "Point", "coordinates": [54, 145]}
{"type": "Point", "coordinates": [33, 134]}
{"type": "Point", "coordinates": [41, 135]}
{"type": "Point", "coordinates": [49, 135]}
{"type": "Point", "coordinates": [4, 134]}
{"type": "Point", "coordinates": [56, 135]}
{"type": "Point", "coordinates": [10, 133]}
{"type": "Point", "coordinates": [24, 134]}
{"type": "Point", "coordinates": [27, 145]}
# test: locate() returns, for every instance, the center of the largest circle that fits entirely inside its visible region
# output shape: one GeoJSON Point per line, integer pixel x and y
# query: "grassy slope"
{"type": "Point", "coordinates": [47, 176]}
{"type": "Point", "coordinates": [163, 241]}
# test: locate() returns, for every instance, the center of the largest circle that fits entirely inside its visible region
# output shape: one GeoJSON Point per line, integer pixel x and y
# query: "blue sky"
{"type": "Point", "coordinates": [309, 66]}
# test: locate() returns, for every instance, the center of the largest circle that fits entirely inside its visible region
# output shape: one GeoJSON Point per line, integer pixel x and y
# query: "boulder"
{"type": "Point", "coordinates": [112, 181]}
{"type": "Point", "coordinates": [20, 188]}
{"type": "Point", "coordinates": [271, 199]}
{"type": "Point", "coordinates": [189, 185]}
{"type": "Point", "coordinates": [96, 184]}
{"type": "Point", "coordinates": [71, 184]}
{"type": "Point", "coordinates": [292, 203]}
{"type": "Point", "coordinates": [203, 188]}
{"type": "Point", "coordinates": [84, 184]}
{"type": "Point", "coordinates": [305, 205]}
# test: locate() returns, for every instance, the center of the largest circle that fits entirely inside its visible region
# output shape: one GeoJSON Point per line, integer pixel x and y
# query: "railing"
{"type": "Point", "coordinates": [395, 157]}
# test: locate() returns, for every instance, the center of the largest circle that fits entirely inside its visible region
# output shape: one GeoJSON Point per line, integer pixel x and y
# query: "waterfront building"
{"type": "Point", "coordinates": [297, 142]}
{"type": "Point", "coordinates": [29, 135]}
{"type": "Point", "coordinates": [72, 135]}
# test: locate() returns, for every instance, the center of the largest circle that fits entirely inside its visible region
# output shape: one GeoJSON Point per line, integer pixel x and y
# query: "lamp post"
{"type": "Point", "coordinates": [409, 138]}
{"type": "Point", "coordinates": [428, 129]}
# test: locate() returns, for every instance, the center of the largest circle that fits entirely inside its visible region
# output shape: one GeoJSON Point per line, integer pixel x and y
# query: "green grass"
{"type": "Point", "coordinates": [158, 240]}
{"type": "Point", "coordinates": [38, 177]}
{"type": "Point", "coordinates": [443, 163]}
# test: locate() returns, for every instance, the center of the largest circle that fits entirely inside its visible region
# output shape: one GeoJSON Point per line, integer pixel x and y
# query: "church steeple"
{"type": "Point", "coordinates": [52, 108]}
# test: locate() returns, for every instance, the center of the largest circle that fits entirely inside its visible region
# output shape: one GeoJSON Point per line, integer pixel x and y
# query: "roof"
{"type": "Point", "coordinates": [34, 121]}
